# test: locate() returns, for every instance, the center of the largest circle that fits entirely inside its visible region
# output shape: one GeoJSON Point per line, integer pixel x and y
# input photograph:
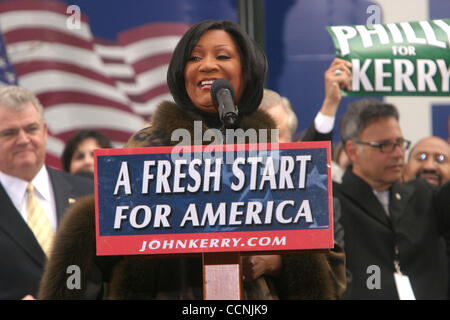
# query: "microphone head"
{"type": "Point", "coordinates": [218, 85]}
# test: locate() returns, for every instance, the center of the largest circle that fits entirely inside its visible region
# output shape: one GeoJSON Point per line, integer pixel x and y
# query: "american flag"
{"type": "Point", "coordinates": [81, 80]}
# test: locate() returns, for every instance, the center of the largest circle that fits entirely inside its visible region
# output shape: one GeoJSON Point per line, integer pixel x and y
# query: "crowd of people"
{"type": "Point", "coordinates": [391, 211]}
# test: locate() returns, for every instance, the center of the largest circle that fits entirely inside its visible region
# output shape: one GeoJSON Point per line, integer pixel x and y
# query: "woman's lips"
{"type": "Point", "coordinates": [205, 84]}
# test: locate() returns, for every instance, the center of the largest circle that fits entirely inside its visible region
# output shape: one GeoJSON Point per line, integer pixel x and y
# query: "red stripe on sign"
{"type": "Point", "coordinates": [216, 148]}
{"type": "Point", "coordinates": [285, 240]}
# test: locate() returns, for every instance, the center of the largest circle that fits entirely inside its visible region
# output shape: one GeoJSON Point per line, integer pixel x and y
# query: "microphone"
{"type": "Point", "coordinates": [222, 93]}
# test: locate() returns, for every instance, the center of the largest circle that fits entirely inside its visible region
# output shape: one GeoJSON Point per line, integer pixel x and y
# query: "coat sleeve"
{"type": "Point", "coordinates": [311, 134]}
{"type": "Point", "coordinates": [148, 137]}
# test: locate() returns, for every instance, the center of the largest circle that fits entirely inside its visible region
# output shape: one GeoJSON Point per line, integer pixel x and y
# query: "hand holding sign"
{"type": "Point", "coordinates": [337, 77]}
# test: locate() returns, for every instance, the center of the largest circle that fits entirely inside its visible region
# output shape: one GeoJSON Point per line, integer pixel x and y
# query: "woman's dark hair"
{"type": "Point", "coordinates": [254, 65]}
{"type": "Point", "coordinates": [76, 139]}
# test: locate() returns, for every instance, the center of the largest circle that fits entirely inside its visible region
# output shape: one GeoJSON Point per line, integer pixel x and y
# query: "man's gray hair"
{"type": "Point", "coordinates": [271, 99]}
{"type": "Point", "coordinates": [17, 98]}
{"type": "Point", "coordinates": [362, 113]}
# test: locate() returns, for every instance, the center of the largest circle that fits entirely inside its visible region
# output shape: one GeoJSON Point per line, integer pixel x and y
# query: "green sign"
{"type": "Point", "coordinates": [397, 59]}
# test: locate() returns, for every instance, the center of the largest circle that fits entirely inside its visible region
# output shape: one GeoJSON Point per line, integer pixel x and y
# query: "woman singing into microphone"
{"type": "Point", "coordinates": [208, 51]}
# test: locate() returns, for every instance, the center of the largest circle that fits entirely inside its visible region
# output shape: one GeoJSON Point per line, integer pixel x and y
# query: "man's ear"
{"type": "Point", "coordinates": [351, 148]}
{"type": "Point", "coordinates": [45, 128]}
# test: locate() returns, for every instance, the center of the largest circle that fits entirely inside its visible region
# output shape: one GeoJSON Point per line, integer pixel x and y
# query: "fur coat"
{"type": "Point", "coordinates": [303, 276]}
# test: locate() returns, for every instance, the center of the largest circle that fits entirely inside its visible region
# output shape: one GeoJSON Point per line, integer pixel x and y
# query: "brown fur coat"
{"type": "Point", "coordinates": [303, 276]}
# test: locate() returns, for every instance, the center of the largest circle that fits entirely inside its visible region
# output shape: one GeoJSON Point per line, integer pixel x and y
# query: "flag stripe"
{"type": "Point", "coordinates": [148, 95]}
{"type": "Point", "coordinates": [40, 34]}
{"type": "Point", "coordinates": [149, 47]}
{"type": "Point", "coordinates": [56, 80]}
{"type": "Point", "coordinates": [25, 68]}
{"type": "Point", "coordinates": [145, 81]}
{"type": "Point", "coordinates": [154, 61]}
{"type": "Point", "coordinates": [29, 51]}
{"type": "Point", "coordinates": [61, 97]}
{"type": "Point", "coordinates": [153, 30]}
{"type": "Point", "coordinates": [64, 116]}
{"type": "Point", "coordinates": [121, 136]}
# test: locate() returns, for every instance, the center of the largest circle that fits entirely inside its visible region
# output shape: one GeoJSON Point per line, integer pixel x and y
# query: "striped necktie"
{"type": "Point", "coordinates": [38, 221]}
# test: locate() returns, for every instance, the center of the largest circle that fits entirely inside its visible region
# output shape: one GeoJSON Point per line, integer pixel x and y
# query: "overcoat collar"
{"type": "Point", "coordinates": [361, 193]}
{"type": "Point", "coordinates": [168, 118]}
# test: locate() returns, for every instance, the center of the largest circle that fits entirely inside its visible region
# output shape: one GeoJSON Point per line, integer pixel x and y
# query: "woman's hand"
{"type": "Point", "coordinates": [255, 266]}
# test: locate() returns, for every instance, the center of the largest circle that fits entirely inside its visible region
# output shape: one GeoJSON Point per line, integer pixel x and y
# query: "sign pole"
{"type": "Point", "coordinates": [222, 276]}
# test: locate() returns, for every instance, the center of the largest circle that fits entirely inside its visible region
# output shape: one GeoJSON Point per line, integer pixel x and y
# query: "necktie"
{"type": "Point", "coordinates": [38, 221]}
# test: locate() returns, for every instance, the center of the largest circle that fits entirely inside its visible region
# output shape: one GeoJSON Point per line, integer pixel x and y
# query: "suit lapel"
{"type": "Point", "coordinates": [400, 195]}
{"type": "Point", "coordinates": [12, 224]}
{"type": "Point", "coordinates": [62, 191]}
{"type": "Point", "coordinates": [362, 195]}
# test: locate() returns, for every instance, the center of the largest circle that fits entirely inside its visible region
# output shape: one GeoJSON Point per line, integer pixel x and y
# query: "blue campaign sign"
{"type": "Point", "coordinates": [155, 200]}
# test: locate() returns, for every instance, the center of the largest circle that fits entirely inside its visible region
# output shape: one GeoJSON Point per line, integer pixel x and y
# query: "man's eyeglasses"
{"type": "Point", "coordinates": [388, 146]}
{"type": "Point", "coordinates": [437, 157]}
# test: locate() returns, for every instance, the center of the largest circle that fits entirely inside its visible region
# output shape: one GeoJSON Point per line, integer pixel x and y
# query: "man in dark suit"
{"type": "Point", "coordinates": [394, 232]}
{"type": "Point", "coordinates": [23, 137]}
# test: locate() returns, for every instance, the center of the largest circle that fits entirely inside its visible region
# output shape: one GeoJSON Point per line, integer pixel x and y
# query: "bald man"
{"type": "Point", "coordinates": [429, 160]}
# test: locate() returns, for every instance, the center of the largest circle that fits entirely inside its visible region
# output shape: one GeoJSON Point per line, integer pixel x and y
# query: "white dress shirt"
{"type": "Point", "coordinates": [383, 197]}
{"type": "Point", "coordinates": [323, 124]}
{"type": "Point", "coordinates": [17, 191]}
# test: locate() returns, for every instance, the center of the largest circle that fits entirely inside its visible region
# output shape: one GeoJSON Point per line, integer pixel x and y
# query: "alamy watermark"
{"type": "Point", "coordinates": [74, 279]}
{"type": "Point", "coordinates": [73, 21]}
{"type": "Point", "coordinates": [375, 15]}
{"type": "Point", "coordinates": [374, 280]}
{"type": "Point", "coordinates": [190, 147]}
